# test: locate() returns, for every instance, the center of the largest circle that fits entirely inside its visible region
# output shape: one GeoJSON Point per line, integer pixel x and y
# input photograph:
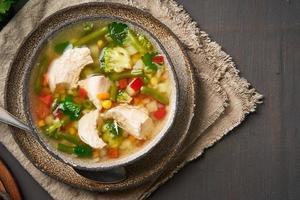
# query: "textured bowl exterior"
{"type": "Point", "coordinates": [150, 165]}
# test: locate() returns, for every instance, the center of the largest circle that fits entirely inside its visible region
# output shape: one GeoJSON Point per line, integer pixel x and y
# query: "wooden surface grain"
{"type": "Point", "coordinates": [8, 183]}
{"type": "Point", "coordinates": [261, 158]}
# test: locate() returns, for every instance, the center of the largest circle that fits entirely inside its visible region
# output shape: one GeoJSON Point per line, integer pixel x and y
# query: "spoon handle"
{"type": "Point", "coordinates": [7, 118]}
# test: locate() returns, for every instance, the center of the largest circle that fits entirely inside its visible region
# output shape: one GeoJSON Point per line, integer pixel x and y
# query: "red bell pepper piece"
{"type": "Point", "coordinates": [134, 86]}
{"type": "Point", "coordinates": [82, 93]}
{"type": "Point", "coordinates": [158, 60]}
{"type": "Point", "coordinates": [160, 113]}
{"type": "Point", "coordinates": [123, 83]}
{"type": "Point", "coordinates": [46, 99]}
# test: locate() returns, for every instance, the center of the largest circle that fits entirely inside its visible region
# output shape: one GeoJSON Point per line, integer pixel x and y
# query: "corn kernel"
{"type": "Point", "coordinates": [154, 81]}
{"type": "Point", "coordinates": [100, 44]}
{"type": "Point", "coordinates": [131, 138]}
{"type": "Point", "coordinates": [72, 131]}
{"type": "Point", "coordinates": [106, 104]}
{"type": "Point", "coordinates": [103, 96]}
{"type": "Point", "coordinates": [102, 152]}
{"type": "Point", "coordinates": [96, 153]}
{"type": "Point", "coordinates": [41, 123]}
{"type": "Point", "coordinates": [164, 76]}
{"type": "Point", "coordinates": [49, 119]}
{"type": "Point", "coordinates": [146, 100]}
{"type": "Point", "coordinates": [135, 57]}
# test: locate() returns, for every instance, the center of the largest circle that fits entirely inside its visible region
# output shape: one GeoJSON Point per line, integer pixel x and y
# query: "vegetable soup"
{"type": "Point", "coordinates": [102, 90]}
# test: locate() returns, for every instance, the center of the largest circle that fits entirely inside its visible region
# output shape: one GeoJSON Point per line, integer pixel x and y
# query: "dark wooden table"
{"type": "Point", "coordinates": [261, 158]}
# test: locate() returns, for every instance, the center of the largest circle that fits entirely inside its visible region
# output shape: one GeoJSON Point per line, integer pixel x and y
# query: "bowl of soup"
{"type": "Point", "coordinates": [102, 93]}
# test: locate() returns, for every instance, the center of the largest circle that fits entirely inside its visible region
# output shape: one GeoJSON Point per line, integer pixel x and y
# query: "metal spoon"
{"type": "Point", "coordinates": [7, 118]}
{"type": "Point", "coordinates": [108, 176]}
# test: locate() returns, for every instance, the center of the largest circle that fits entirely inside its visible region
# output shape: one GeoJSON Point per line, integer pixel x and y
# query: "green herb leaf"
{"type": "Point", "coordinates": [150, 67]}
{"type": "Point", "coordinates": [60, 47]}
{"type": "Point", "coordinates": [118, 32]}
{"type": "Point", "coordinates": [112, 134]}
{"type": "Point", "coordinates": [112, 127]}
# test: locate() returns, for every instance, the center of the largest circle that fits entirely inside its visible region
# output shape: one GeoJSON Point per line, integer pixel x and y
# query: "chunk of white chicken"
{"type": "Point", "coordinates": [95, 85]}
{"type": "Point", "coordinates": [87, 130]}
{"type": "Point", "coordinates": [133, 119]}
{"type": "Point", "coordinates": [67, 68]}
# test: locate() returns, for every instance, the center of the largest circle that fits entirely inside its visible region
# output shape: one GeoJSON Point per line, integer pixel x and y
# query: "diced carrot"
{"type": "Point", "coordinates": [132, 138]}
{"type": "Point", "coordinates": [113, 152]}
{"type": "Point", "coordinates": [96, 153]}
{"type": "Point", "coordinates": [45, 91]}
{"type": "Point", "coordinates": [60, 88]}
{"type": "Point", "coordinates": [160, 113]}
{"type": "Point", "coordinates": [41, 123]}
{"type": "Point", "coordinates": [103, 96]}
{"type": "Point", "coordinates": [46, 99]}
{"type": "Point", "coordinates": [137, 100]}
{"type": "Point", "coordinates": [123, 83]}
{"type": "Point", "coordinates": [78, 100]}
{"type": "Point", "coordinates": [146, 100]}
{"type": "Point", "coordinates": [42, 110]}
{"type": "Point", "coordinates": [82, 93]}
{"type": "Point", "coordinates": [140, 142]}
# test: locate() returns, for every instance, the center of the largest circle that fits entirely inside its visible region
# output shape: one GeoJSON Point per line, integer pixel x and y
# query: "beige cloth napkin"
{"type": "Point", "coordinates": [224, 98]}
